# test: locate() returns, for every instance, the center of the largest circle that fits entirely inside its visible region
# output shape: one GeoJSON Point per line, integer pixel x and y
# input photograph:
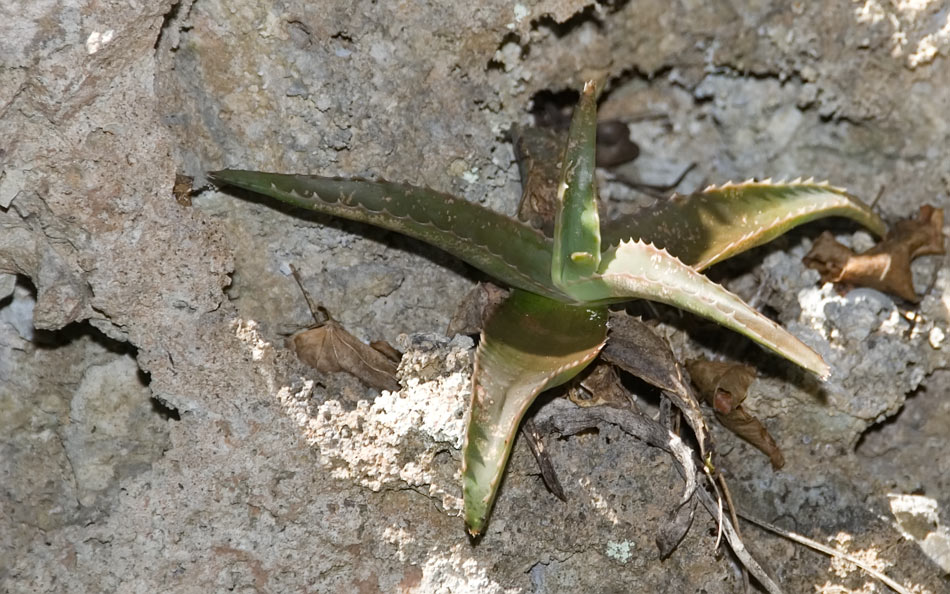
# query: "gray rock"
{"type": "Point", "coordinates": [221, 463]}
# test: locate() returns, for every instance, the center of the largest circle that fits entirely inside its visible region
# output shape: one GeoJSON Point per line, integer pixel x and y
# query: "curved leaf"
{"type": "Point", "coordinates": [640, 270]}
{"type": "Point", "coordinates": [721, 221]}
{"type": "Point", "coordinates": [531, 343]}
{"type": "Point", "coordinates": [500, 246]}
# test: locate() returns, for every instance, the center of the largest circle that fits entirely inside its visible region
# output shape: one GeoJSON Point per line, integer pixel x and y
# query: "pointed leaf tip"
{"type": "Point", "coordinates": [636, 269]}
{"type": "Point", "coordinates": [504, 248]}
{"type": "Point", "coordinates": [531, 343]}
{"type": "Point", "coordinates": [576, 250]}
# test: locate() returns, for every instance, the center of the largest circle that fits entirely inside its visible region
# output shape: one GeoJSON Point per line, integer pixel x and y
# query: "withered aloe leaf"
{"type": "Point", "coordinates": [886, 266]}
{"type": "Point", "coordinates": [721, 221]}
{"type": "Point", "coordinates": [638, 350]}
{"type": "Point", "coordinates": [475, 309]}
{"type": "Point", "coordinates": [531, 344]}
{"type": "Point", "coordinates": [536, 444]}
{"type": "Point", "coordinates": [600, 386]}
{"type": "Point", "coordinates": [538, 152]}
{"type": "Point", "coordinates": [724, 386]}
{"type": "Point", "coordinates": [330, 348]}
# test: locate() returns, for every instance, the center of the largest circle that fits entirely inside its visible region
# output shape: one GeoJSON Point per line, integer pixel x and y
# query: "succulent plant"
{"type": "Point", "coordinates": [554, 322]}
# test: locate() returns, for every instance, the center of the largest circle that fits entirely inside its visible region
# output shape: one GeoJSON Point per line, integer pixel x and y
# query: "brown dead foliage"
{"type": "Point", "coordinates": [328, 347]}
{"type": "Point", "coordinates": [475, 309]}
{"type": "Point", "coordinates": [635, 348]}
{"type": "Point", "coordinates": [535, 441]}
{"type": "Point", "coordinates": [538, 151]}
{"type": "Point", "coordinates": [724, 385]}
{"type": "Point", "coordinates": [600, 387]}
{"type": "Point", "coordinates": [886, 266]}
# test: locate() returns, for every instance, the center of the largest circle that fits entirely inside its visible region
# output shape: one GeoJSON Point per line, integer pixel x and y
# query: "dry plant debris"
{"type": "Point", "coordinates": [328, 347]}
{"type": "Point", "coordinates": [724, 385]}
{"type": "Point", "coordinates": [886, 266]}
{"type": "Point", "coordinates": [476, 307]}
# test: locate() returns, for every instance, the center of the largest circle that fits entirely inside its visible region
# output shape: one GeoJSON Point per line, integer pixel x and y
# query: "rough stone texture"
{"type": "Point", "coordinates": [221, 463]}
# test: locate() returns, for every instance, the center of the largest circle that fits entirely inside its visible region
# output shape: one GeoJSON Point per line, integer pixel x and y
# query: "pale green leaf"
{"type": "Point", "coordinates": [639, 270]}
{"type": "Point", "coordinates": [577, 224]}
{"type": "Point", "coordinates": [721, 221]}
{"type": "Point", "coordinates": [531, 343]}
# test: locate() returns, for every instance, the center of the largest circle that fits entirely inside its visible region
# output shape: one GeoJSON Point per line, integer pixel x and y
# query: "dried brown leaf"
{"type": "Point", "coordinates": [635, 347]}
{"type": "Point", "coordinates": [749, 428]}
{"type": "Point", "coordinates": [476, 307]}
{"type": "Point", "coordinates": [182, 190]}
{"type": "Point", "coordinates": [886, 266]}
{"type": "Point", "coordinates": [724, 386]}
{"type": "Point", "coordinates": [600, 387]}
{"type": "Point", "coordinates": [538, 152]}
{"type": "Point", "coordinates": [536, 444]}
{"type": "Point", "coordinates": [391, 352]}
{"type": "Point", "coordinates": [330, 348]}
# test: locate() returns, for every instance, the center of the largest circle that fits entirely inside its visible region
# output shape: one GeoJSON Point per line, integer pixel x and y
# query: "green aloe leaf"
{"type": "Point", "coordinates": [498, 245]}
{"type": "Point", "coordinates": [635, 269]}
{"type": "Point", "coordinates": [577, 224]}
{"type": "Point", "coordinates": [721, 221]}
{"type": "Point", "coordinates": [530, 344]}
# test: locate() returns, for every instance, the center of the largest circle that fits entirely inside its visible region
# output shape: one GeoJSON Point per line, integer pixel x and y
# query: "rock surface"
{"type": "Point", "coordinates": [156, 434]}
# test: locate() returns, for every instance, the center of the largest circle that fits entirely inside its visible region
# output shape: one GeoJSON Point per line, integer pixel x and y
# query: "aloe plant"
{"type": "Point", "coordinates": [554, 323]}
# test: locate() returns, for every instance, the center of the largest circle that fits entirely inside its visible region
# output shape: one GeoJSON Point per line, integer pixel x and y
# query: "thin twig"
{"type": "Point", "coordinates": [804, 540]}
{"type": "Point", "coordinates": [573, 420]}
{"type": "Point", "coordinates": [314, 308]}
{"type": "Point", "coordinates": [738, 548]}
{"type": "Point", "coordinates": [880, 193]}
{"type": "Point", "coordinates": [728, 496]}
{"type": "Point", "coordinates": [654, 190]}
{"type": "Point", "coordinates": [733, 513]}
{"type": "Point", "coordinates": [719, 515]}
